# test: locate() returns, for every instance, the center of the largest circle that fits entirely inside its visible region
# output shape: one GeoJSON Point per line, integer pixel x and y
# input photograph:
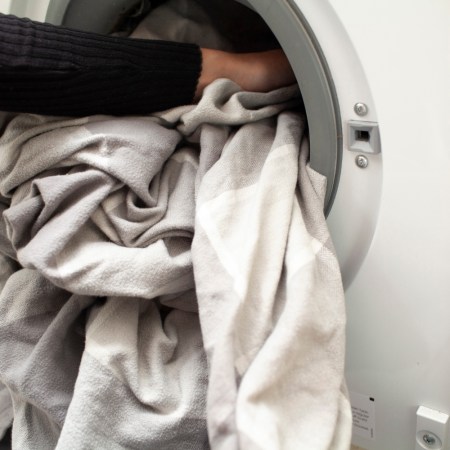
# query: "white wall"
{"type": "Point", "coordinates": [4, 6]}
{"type": "Point", "coordinates": [34, 9]}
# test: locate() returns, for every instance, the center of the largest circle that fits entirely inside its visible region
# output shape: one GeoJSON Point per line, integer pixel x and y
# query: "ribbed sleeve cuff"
{"type": "Point", "coordinates": [52, 70]}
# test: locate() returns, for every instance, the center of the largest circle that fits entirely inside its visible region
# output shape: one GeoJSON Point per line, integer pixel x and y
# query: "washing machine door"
{"type": "Point", "coordinates": [290, 26]}
{"type": "Point", "coordinates": [331, 85]}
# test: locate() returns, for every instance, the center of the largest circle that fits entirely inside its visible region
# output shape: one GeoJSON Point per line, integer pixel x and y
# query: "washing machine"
{"type": "Point", "coordinates": [375, 81]}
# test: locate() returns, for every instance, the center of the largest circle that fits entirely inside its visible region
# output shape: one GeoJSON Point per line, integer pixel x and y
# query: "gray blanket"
{"type": "Point", "coordinates": [169, 281]}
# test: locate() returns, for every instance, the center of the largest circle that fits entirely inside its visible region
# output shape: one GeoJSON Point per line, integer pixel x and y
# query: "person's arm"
{"type": "Point", "coordinates": [46, 69]}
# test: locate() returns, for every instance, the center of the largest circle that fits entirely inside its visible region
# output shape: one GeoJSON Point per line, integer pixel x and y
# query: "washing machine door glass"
{"type": "Point", "coordinates": [99, 15]}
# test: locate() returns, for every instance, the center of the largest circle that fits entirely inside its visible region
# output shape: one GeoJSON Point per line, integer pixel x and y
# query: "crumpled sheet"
{"type": "Point", "coordinates": [177, 285]}
{"type": "Point", "coordinates": [101, 212]}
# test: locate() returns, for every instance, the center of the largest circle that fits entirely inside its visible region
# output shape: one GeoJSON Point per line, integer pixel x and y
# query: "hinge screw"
{"type": "Point", "coordinates": [361, 161]}
{"type": "Point", "coordinates": [361, 109]}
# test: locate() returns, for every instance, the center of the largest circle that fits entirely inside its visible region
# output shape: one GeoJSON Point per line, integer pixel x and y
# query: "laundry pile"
{"type": "Point", "coordinates": [169, 281]}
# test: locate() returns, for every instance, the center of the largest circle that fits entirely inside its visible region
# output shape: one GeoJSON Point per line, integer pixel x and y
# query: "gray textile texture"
{"type": "Point", "coordinates": [168, 282]}
{"type": "Point", "coordinates": [101, 345]}
{"type": "Point", "coordinates": [6, 410]}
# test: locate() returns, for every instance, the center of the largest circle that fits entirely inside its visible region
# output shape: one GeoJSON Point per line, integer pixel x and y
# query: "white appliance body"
{"type": "Point", "coordinates": [390, 221]}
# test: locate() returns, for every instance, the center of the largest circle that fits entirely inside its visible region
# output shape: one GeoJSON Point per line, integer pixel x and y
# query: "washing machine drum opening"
{"type": "Point", "coordinates": [248, 25]}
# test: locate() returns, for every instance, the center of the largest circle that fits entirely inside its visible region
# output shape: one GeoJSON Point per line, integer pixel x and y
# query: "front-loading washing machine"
{"type": "Point", "coordinates": [375, 81]}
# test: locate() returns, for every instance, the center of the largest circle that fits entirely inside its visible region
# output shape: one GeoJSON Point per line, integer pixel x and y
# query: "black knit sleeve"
{"type": "Point", "coordinates": [46, 69]}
